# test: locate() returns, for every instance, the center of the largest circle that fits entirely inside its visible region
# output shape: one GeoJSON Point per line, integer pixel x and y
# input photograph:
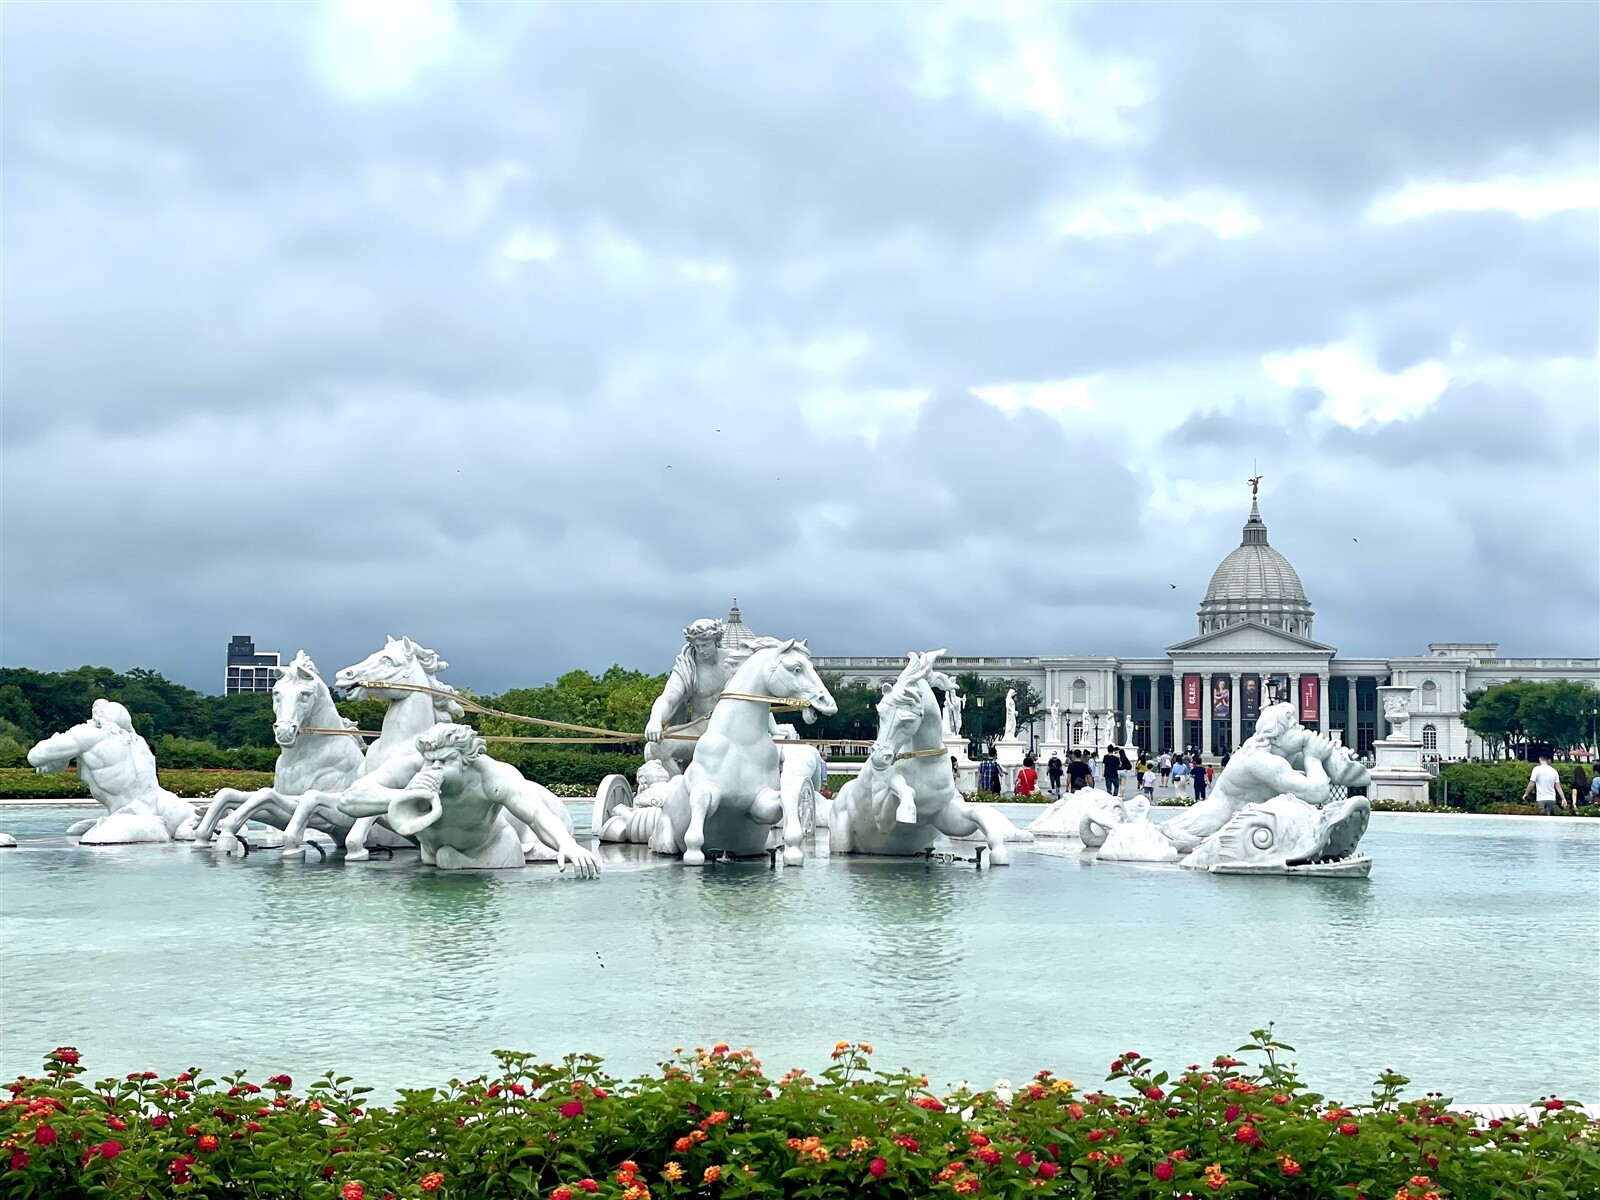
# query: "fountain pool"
{"type": "Point", "coordinates": [1467, 961]}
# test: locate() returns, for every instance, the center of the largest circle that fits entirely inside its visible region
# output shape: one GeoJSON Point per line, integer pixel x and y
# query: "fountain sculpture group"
{"type": "Point", "coordinates": [721, 777]}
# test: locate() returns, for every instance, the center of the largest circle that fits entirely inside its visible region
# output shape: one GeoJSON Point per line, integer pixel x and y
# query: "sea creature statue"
{"type": "Point", "coordinates": [1064, 818]}
{"type": "Point", "coordinates": [1287, 836]}
{"type": "Point", "coordinates": [450, 795]}
{"type": "Point", "coordinates": [306, 763]}
{"type": "Point", "coordinates": [1282, 757]}
{"type": "Point", "coordinates": [1121, 829]}
{"type": "Point", "coordinates": [388, 674]}
{"type": "Point", "coordinates": [906, 791]}
{"type": "Point", "coordinates": [739, 783]}
{"type": "Point", "coordinates": [699, 674]}
{"type": "Point", "coordinates": [118, 768]}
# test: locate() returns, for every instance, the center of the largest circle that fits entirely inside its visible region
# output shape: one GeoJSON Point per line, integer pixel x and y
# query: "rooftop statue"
{"type": "Point", "coordinates": [739, 784]}
{"type": "Point", "coordinates": [312, 762]}
{"type": "Point", "coordinates": [450, 795]}
{"type": "Point", "coordinates": [699, 674]}
{"type": "Point", "coordinates": [1011, 715]}
{"type": "Point", "coordinates": [119, 770]}
{"type": "Point", "coordinates": [906, 792]}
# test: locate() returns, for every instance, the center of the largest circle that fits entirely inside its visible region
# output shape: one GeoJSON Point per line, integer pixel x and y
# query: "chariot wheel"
{"type": "Point", "coordinates": [614, 790]}
{"type": "Point", "coordinates": [806, 805]}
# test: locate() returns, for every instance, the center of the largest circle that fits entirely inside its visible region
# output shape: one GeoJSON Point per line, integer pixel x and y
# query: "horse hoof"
{"type": "Point", "coordinates": [694, 858]}
{"type": "Point", "coordinates": [227, 843]}
{"type": "Point", "coordinates": [359, 854]}
{"type": "Point", "coordinates": [792, 857]}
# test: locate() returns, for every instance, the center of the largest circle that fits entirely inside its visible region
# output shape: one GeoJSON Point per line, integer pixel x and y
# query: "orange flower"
{"type": "Point", "coordinates": [858, 1144]}
{"type": "Point", "coordinates": [672, 1171]}
{"type": "Point", "coordinates": [682, 1146]}
{"type": "Point", "coordinates": [716, 1118]}
{"type": "Point", "coordinates": [697, 1135]}
{"type": "Point", "coordinates": [432, 1181]}
{"type": "Point", "coordinates": [864, 1047]}
{"type": "Point", "coordinates": [711, 1175]}
{"type": "Point", "coordinates": [1215, 1179]}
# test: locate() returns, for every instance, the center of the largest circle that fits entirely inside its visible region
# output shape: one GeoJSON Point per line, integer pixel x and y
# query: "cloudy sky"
{"type": "Point", "coordinates": [535, 332]}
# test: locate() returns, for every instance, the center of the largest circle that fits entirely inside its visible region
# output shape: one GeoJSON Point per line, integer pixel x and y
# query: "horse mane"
{"type": "Point", "coordinates": [301, 666]}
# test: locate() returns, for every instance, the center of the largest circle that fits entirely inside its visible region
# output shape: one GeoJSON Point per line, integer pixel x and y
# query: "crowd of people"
{"type": "Point", "coordinates": [1186, 773]}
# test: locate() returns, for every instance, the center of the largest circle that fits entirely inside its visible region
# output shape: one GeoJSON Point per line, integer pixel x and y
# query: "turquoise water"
{"type": "Point", "coordinates": [1468, 961]}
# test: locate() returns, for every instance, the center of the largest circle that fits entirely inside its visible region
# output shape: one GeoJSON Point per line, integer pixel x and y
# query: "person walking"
{"type": "Point", "coordinates": [1546, 786]}
{"type": "Point", "coordinates": [989, 775]}
{"type": "Point", "coordinates": [1079, 773]}
{"type": "Point", "coordinates": [1027, 778]}
{"type": "Point", "coordinates": [1201, 778]}
{"type": "Point", "coordinates": [1165, 763]}
{"type": "Point", "coordinates": [1054, 770]}
{"type": "Point", "coordinates": [1580, 787]}
{"type": "Point", "coordinates": [955, 769]}
{"type": "Point", "coordinates": [1147, 782]}
{"type": "Point", "coordinates": [1180, 779]}
{"type": "Point", "coordinates": [1111, 766]}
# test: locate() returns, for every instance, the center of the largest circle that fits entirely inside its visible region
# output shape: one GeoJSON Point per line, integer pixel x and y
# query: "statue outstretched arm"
{"type": "Point", "coordinates": [525, 800]}
{"type": "Point", "coordinates": [667, 705]}
{"type": "Point", "coordinates": [397, 779]}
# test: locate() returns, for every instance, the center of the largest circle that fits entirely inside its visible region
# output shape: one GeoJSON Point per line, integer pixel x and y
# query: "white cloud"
{"type": "Point", "coordinates": [369, 48]}
{"type": "Point", "coordinates": [705, 272]}
{"type": "Point", "coordinates": [1529, 197]}
{"type": "Point", "coordinates": [1357, 391]}
{"type": "Point", "coordinates": [1124, 213]}
{"type": "Point", "coordinates": [1053, 396]}
{"type": "Point", "coordinates": [528, 245]}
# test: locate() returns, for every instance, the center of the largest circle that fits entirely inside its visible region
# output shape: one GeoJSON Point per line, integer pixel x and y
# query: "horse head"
{"type": "Point", "coordinates": [908, 700]}
{"type": "Point", "coordinates": [783, 670]}
{"type": "Point", "coordinates": [295, 696]}
{"type": "Point", "coordinates": [400, 661]}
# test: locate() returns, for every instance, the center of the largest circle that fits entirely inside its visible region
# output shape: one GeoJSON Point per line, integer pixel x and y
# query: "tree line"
{"type": "Point", "coordinates": [1559, 713]}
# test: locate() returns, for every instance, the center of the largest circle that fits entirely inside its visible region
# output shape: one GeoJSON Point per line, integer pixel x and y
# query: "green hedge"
{"type": "Point", "coordinates": [1475, 786]}
{"type": "Point", "coordinates": [192, 754]}
{"type": "Point", "coordinates": [26, 783]}
{"type": "Point", "coordinates": [568, 766]}
{"type": "Point", "coordinates": [712, 1124]}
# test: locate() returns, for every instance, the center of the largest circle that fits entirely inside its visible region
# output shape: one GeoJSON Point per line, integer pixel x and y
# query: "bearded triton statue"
{"type": "Point", "coordinates": [698, 676]}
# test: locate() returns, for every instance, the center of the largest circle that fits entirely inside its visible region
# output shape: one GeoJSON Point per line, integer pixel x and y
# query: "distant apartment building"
{"type": "Point", "coordinates": [249, 670]}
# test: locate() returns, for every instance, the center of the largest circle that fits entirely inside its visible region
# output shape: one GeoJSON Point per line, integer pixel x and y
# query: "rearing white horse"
{"type": "Point", "coordinates": [908, 790]}
{"type": "Point", "coordinates": [733, 792]}
{"type": "Point", "coordinates": [313, 762]}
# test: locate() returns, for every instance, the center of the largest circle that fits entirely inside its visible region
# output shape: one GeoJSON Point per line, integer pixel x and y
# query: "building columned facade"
{"type": "Point", "coordinates": [1254, 646]}
{"type": "Point", "coordinates": [249, 669]}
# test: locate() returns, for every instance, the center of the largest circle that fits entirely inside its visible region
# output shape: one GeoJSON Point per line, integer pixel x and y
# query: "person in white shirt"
{"type": "Point", "coordinates": [1546, 786]}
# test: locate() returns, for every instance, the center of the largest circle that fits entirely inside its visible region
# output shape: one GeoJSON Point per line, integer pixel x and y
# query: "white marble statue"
{"type": "Point", "coordinates": [118, 768]}
{"type": "Point", "coordinates": [450, 795]}
{"type": "Point", "coordinates": [1010, 734]}
{"type": "Point", "coordinates": [1121, 829]}
{"type": "Point", "coordinates": [1282, 757]}
{"type": "Point", "coordinates": [699, 674]}
{"type": "Point", "coordinates": [954, 703]}
{"type": "Point", "coordinates": [1127, 731]}
{"type": "Point", "coordinates": [1052, 723]}
{"type": "Point", "coordinates": [740, 783]}
{"type": "Point", "coordinates": [1064, 818]}
{"type": "Point", "coordinates": [906, 792]}
{"type": "Point", "coordinates": [1397, 708]}
{"type": "Point", "coordinates": [621, 815]}
{"type": "Point", "coordinates": [306, 763]}
{"type": "Point", "coordinates": [410, 713]}
{"type": "Point", "coordinates": [1285, 835]}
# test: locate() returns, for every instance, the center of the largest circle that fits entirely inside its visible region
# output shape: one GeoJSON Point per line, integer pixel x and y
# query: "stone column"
{"type": "Point", "coordinates": [1205, 714]}
{"type": "Point", "coordinates": [1233, 709]}
{"type": "Point", "coordinates": [1177, 712]}
{"type": "Point", "coordinates": [1322, 702]}
{"type": "Point", "coordinates": [1350, 718]}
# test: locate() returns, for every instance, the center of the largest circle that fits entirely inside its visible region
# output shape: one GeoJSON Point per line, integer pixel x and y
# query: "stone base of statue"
{"type": "Point", "coordinates": [966, 770]}
{"type": "Point", "coordinates": [1010, 751]}
{"type": "Point", "coordinates": [1398, 775]}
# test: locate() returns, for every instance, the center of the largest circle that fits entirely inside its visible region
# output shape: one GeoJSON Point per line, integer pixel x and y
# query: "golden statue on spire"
{"type": "Point", "coordinates": [1255, 485]}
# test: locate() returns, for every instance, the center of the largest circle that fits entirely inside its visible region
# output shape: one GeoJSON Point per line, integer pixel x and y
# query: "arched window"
{"type": "Point", "coordinates": [1080, 693]}
{"type": "Point", "coordinates": [1077, 733]}
{"type": "Point", "coordinates": [1430, 737]}
{"type": "Point", "coordinates": [1430, 696]}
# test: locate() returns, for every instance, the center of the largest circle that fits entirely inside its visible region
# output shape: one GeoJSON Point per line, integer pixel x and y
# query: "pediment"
{"type": "Point", "coordinates": [1250, 637]}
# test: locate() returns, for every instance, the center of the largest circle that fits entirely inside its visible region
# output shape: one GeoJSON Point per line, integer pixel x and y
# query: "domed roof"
{"type": "Point", "coordinates": [736, 635]}
{"type": "Point", "coordinates": [1255, 583]}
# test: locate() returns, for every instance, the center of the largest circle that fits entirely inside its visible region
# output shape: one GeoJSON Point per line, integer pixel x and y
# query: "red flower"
{"type": "Point", "coordinates": [974, 1138]}
{"type": "Point", "coordinates": [931, 1103]}
{"type": "Point", "coordinates": [253, 1126]}
{"type": "Point", "coordinates": [432, 1181]}
{"type": "Point", "coordinates": [1246, 1135]}
{"type": "Point", "coordinates": [1048, 1170]}
{"type": "Point", "coordinates": [516, 1089]}
{"type": "Point", "coordinates": [65, 1054]}
{"type": "Point", "coordinates": [1554, 1105]}
{"type": "Point", "coordinates": [1024, 1159]}
{"type": "Point", "coordinates": [561, 1193]}
{"type": "Point", "coordinates": [1096, 1134]}
{"type": "Point", "coordinates": [572, 1108]}
{"type": "Point", "coordinates": [878, 1168]}
{"type": "Point", "coordinates": [110, 1150]}
{"type": "Point", "coordinates": [588, 1185]}
{"type": "Point", "coordinates": [193, 1131]}
{"type": "Point", "coordinates": [186, 1077]}
{"type": "Point", "coordinates": [989, 1156]}
{"type": "Point", "coordinates": [352, 1191]}
{"type": "Point", "coordinates": [208, 1141]}
{"type": "Point", "coordinates": [18, 1161]}
{"type": "Point", "coordinates": [160, 1121]}
{"type": "Point", "coordinates": [909, 1143]}
{"type": "Point", "coordinates": [1154, 1093]}
{"type": "Point", "coordinates": [1117, 1160]}
{"type": "Point", "coordinates": [1179, 1155]}
{"type": "Point", "coordinates": [600, 1093]}
{"type": "Point", "coordinates": [1349, 1129]}
{"type": "Point", "coordinates": [44, 1136]}
{"type": "Point", "coordinates": [1162, 1171]}
{"type": "Point", "coordinates": [1229, 1113]}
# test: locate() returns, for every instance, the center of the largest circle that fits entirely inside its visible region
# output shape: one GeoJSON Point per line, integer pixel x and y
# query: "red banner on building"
{"type": "Point", "coordinates": [1191, 697]}
{"type": "Point", "coordinates": [1310, 698]}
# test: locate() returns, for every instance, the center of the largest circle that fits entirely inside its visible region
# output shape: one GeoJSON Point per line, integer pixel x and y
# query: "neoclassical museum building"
{"type": "Point", "coordinates": [1254, 645]}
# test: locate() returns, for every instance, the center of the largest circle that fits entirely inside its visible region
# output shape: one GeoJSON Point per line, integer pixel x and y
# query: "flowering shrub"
{"type": "Point", "coordinates": [192, 784]}
{"type": "Point", "coordinates": [712, 1124]}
